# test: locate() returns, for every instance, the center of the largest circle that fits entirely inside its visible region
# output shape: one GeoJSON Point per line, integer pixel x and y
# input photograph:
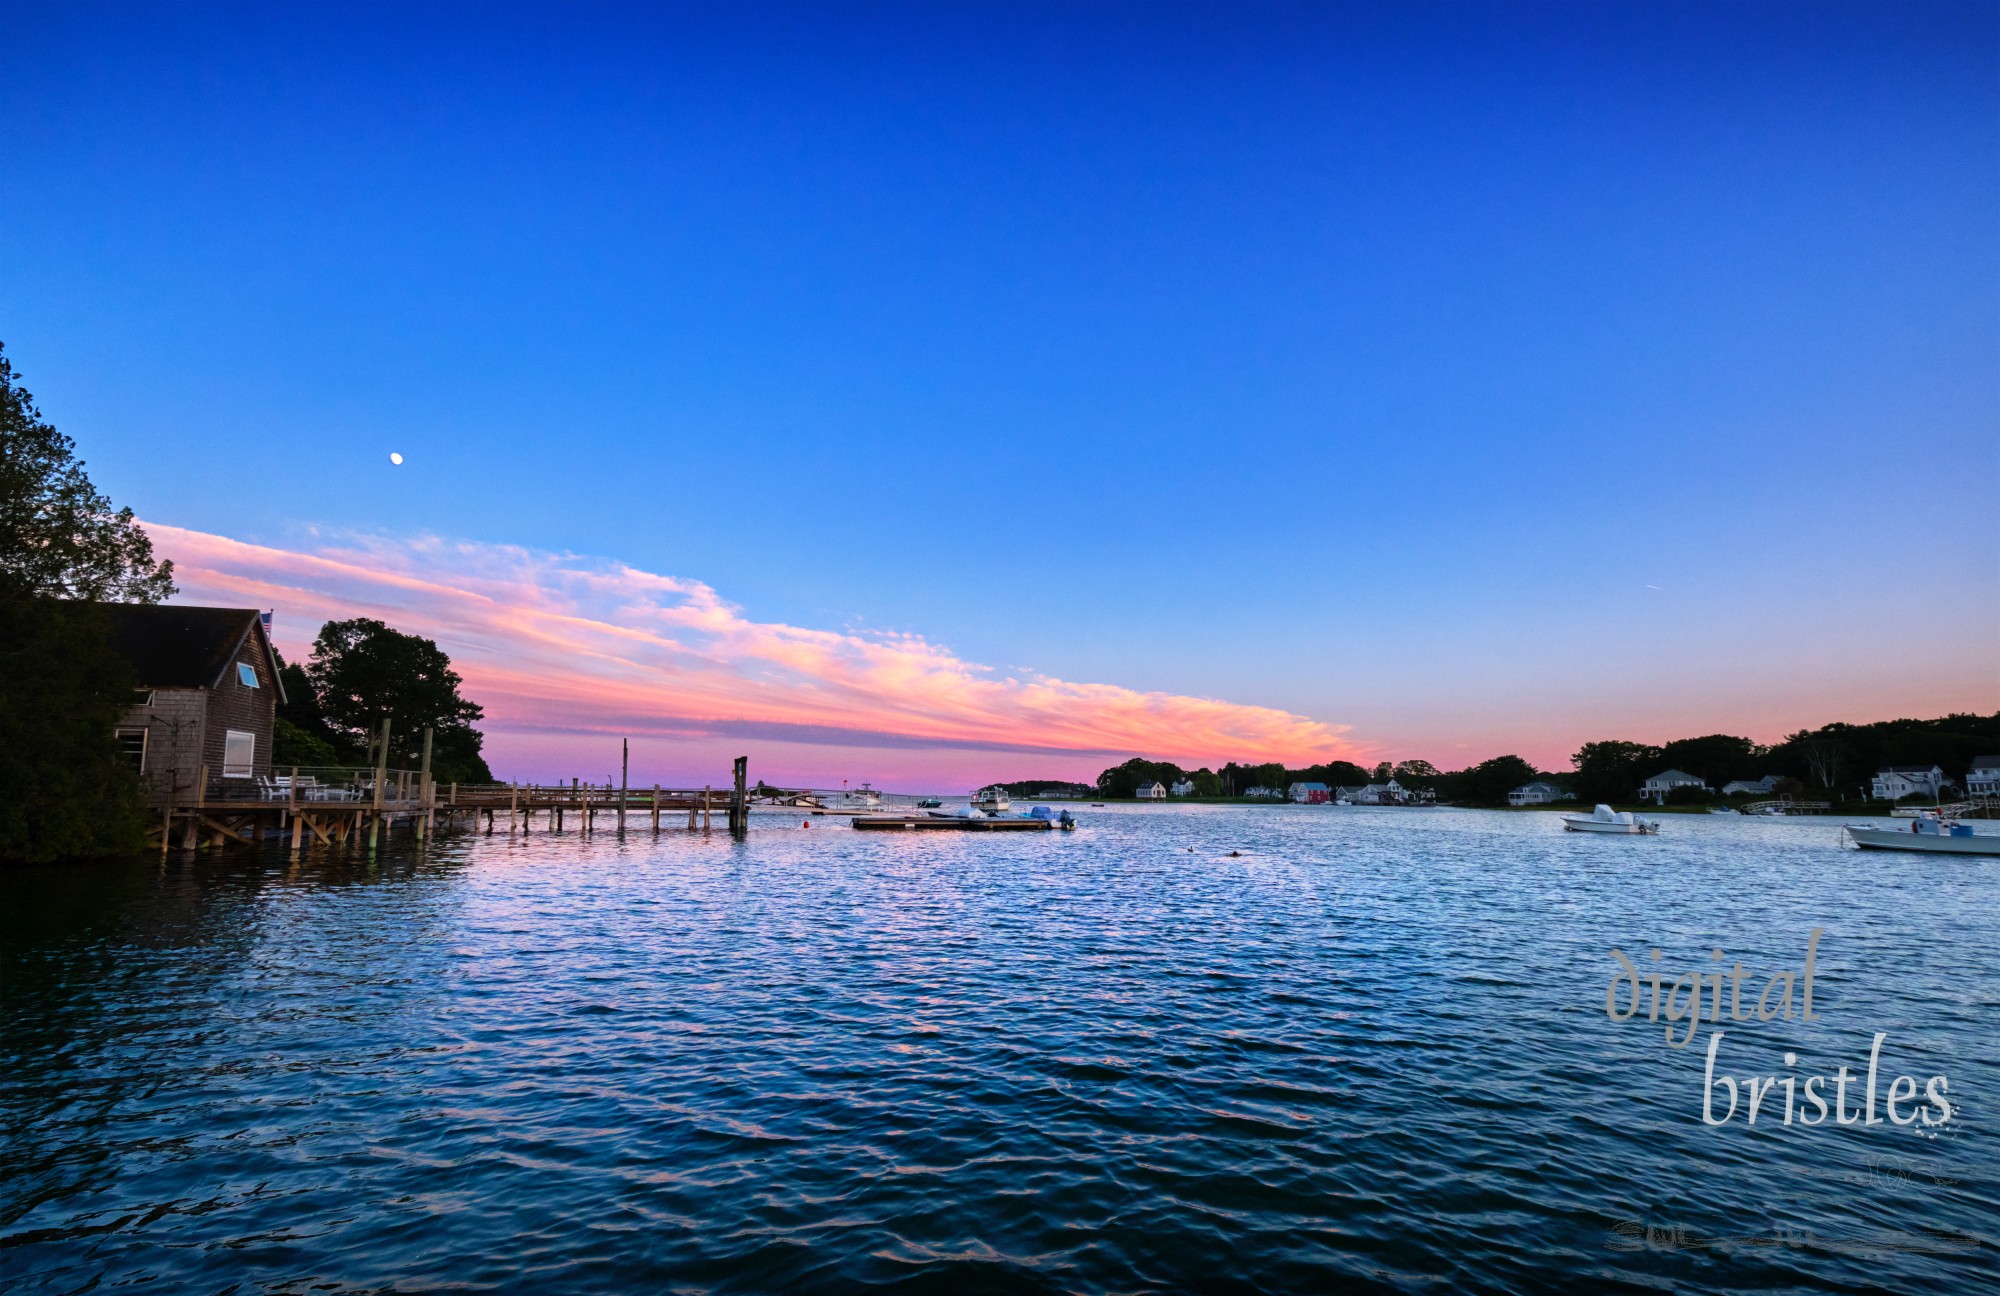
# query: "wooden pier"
{"type": "Point", "coordinates": [341, 807]}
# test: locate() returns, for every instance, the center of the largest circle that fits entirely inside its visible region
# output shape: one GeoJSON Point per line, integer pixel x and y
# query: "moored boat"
{"type": "Point", "coordinates": [1606, 820]}
{"type": "Point", "coordinates": [993, 800]}
{"type": "Point", "coordinates": [1931, 834]}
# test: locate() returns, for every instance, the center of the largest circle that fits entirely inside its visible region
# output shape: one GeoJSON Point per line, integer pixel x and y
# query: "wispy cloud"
{"type": "Point", "coordinates": [562, 644]}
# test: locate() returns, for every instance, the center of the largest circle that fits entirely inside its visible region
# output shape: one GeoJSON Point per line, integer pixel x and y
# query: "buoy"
{"type": "Point", "coordinates": [1236, 854]}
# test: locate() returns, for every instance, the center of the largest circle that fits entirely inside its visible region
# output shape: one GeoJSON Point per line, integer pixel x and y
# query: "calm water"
{"type": "Point", "coordinates": [1371, 1052]}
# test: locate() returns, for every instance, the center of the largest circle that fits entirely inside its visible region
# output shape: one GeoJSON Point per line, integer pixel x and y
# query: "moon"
{"type": "Point", "coordinates": [395, 458]}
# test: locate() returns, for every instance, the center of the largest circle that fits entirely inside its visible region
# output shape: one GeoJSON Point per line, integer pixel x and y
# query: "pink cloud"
{"type": "Point", "coordinates": [567, 654]}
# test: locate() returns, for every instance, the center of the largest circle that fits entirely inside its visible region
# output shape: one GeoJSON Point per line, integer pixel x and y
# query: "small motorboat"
{"type": "Point", "coordinates": [861, 798]}
{"type": "Point", "coordinates": [929, 803]}
{"type": "Point", "coordinates": [1932, 834]}
{"type": "Point", "coordinates": [993, 799]}
{"type": "Point", "coordinates": [1606, 820]}
{"type": "Point", "coordinates": [1721, 810]}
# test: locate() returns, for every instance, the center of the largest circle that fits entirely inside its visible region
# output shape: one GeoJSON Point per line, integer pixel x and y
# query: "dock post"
{"type": "Point", "coordinates": [624, 780]}
{"type": "Point", "coordinates": [513, 801]}
{"type": "Point", "coordinates": [656, 809]}
{"type": "Point", "coordinates": [425, 789]}
{"type": "Point", "coordinates": [706, 797]}
{"type": "Point", "coordinates": [192, 837]}
{"type": "Point", "coordinates": [739, 805]}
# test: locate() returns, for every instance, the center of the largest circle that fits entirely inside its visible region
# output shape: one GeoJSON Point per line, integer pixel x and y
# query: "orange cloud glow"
{"type": "Point", "coordinates": [555, 644]}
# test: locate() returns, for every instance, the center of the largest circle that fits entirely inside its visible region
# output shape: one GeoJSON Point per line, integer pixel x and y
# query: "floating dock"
{"type": "Point", "coordinates": [898, 823]}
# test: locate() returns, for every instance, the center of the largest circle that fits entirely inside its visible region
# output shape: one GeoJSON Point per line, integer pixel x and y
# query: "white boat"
{"type": "Point", "coordinates": [993, 800]}
{"type": "Point", "coordinates": [1931, 834]}
{"type": "Point", "coordinates": [861, 798]}
{"type": "Point", "coordinates": [1606, 820]}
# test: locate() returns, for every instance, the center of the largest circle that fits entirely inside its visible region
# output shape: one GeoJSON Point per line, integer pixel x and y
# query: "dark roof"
{"type": "Point", "coordinates": [183, 647]}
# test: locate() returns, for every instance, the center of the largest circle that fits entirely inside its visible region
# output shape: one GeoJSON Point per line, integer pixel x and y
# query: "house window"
{"type": "Point", "coordinates": [132, 742]}
{"type": "Point", "coordinates": [142, 697]}
{"type": "Point", "coordinates": [246, 673]}
{"type": "Point", "coordinates": [239, 754]}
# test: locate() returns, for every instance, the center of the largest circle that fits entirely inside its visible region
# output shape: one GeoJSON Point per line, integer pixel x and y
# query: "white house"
{"type": "Point", "coordinates": [1657, 787]}
{"type": "Point", "coordinates": [1983, 779]}
{"type": "Point", "coordinates": [1756, 787]}
{"type": "Point", "coordinates": [1154, 791]}
{"type": "Point", "coordinates": [1183, 788]}
{"type": "Point", "coordinates": [1390, 793]}
{"type": "Point", "coordinates": [1537, 793]}
{"type": "Point", "coordinates": [1310, 793]}
{"type": "Point", "coordinates": [1894, 782]}
{"type": "Point", "coordinates": [1262, 793]}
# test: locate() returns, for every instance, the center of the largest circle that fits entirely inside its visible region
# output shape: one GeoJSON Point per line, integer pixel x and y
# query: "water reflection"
{"type": "Point", "coordinates": [1368, 1049]}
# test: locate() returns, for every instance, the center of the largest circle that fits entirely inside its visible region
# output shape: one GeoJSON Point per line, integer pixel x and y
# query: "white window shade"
{"type": "Point", "coordinates": [239, 754]}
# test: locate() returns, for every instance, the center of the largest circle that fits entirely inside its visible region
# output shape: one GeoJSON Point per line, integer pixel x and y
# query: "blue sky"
{"type": "Point", "coordinates": [1483, 377]}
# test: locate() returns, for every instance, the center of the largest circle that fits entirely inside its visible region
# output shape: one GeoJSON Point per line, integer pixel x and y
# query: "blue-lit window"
{"type": "Point", "coordinates": [247, 673]}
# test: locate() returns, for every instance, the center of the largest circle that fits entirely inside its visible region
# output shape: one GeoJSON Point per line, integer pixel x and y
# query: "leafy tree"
{"type": "Point", "coordinates": [70, 791]}
{"type": "Point", "coordinates": [1613, 770]}
{"type": "Point", "coordinates": [1715, 758]}
{"type": "Point", "coordinates": [1416, 773]}
{"type": "Point", "coordinates": [362, 672]}
{"type": "Point", "coordinates": [59, 538]}
{"type": "Point", "coordinates": [1207, 783]}
{"type": "Point", "coordinates": [1486, 783]}
{"type": "Point", "coordinates": [1125, 780]}
{"type": "Point", "coordinates": [1274, 776]}
{"type": "Point", "coordinates": [291, 745]}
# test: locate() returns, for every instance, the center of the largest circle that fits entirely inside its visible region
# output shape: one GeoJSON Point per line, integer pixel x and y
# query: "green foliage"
{"type": "Point", "coordinates": [1207, 783]}
{"type": "Point", "coordinates": [1486, 783]}
{"type": "Point", "coordinates": [70, 791]}
{"type": "Point", "coordinates": [291, 745]}
{"type": "Point", "coordinates": [1715, 758]}
{"type": "Point", "coordinates": [1125, 780]}
{"type": "Point", "coordinates": [59, 538]}
{"type": "Point", "coordinates": [1846, 756]}
{"type": "Point", "coordinates": [362, 672]}
{"type": "Point", "coordinates": [1029, 789]}
{"type": "Point", "coordinates": [1613, 770]}
{"type": "Point", "coordinates": [1689, 795]}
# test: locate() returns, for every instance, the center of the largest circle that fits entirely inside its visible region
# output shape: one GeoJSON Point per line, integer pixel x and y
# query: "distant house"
{"type": "Point", "coordinates": [1894, 782]}
{"type": "Point", "coordinates": [1262, 794]}
{"type": "Point", "coordinates": [1309, 793]}
{"type": "Point", "coordinates": [1154, 791]}
{"type": "Point", "coordinates": [208, 696]}
{"type": "Point", "coordinates": [1657, 787]}
{"type": "Point", "coordinates": [1390, 793]}
{"type": "Point", "coordinates": [1537, 793]}
{"type": "Point", "coordinates": [1183, 788]}
{"type": "Point", "coordinates": [1983, 779]}
{"type": "Point", "coordinates": [1755, 787]}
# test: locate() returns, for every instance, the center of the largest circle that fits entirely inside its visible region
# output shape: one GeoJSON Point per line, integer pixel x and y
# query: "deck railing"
{"type": "Point", "coordinates": [313, 785]}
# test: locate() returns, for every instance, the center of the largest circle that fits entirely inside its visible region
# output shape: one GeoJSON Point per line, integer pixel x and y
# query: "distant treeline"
{"type": "Point", "coordinates": [1836, 759]}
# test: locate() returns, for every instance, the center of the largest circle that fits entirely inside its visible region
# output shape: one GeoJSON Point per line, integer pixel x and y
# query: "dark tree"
{"type": "Point", "coordinates": [59, 538]}
{"type": "Point", "coordinates": [70, 792]}
{"type": "Point", "coordinates": [1486, 783]}
{"type": "Point", "coordinates": [362, 673]}
{"type": "Point", "coordinates": [1125, 780]}
{"type": "Point", "coordinates": [1613, 770]}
